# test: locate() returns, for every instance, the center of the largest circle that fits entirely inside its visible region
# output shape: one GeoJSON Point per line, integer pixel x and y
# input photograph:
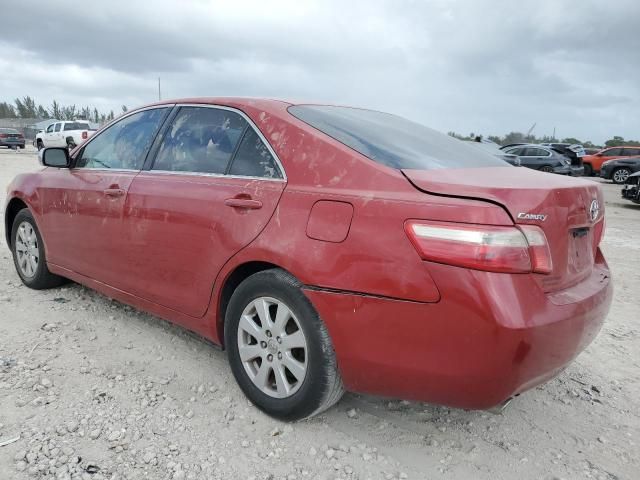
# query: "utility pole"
{"type": "Point", "coordinates": [554, 134]}
{"type": "Point", "coordinates": [159, 95]}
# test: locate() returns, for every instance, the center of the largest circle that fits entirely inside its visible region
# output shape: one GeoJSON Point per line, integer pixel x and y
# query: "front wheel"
{"type": "Point", "coordinates": [620, 175]}
{"type": "Point", "coordinates": [546, 169]}
{"type": "Point", "coordinates": [28, 253]}
{"type": "Point", "coordinates": [39, 145]}
{"type": "Point", "coordinates": [279, 349]}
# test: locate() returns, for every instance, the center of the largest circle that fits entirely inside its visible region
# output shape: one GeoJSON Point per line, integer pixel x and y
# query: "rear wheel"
{"type": "Point", "coordinates": [588, 170]}
{"type": "Point", "coordinates": [547, 169]}
{"type": "Point", "coordinates": [28, 253]}
{"type": "Point", "coordinates": [279, 349]}
{"type": "Point", "coordinates": [620, 175]}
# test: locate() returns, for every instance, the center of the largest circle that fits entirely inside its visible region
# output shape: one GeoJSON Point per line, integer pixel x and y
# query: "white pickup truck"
{"type": "Point", "coordinates": [64, 134]}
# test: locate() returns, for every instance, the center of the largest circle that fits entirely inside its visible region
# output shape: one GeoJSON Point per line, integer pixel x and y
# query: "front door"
{"type": "Point", "coordinates": [83, 212]}
{"type": "Point", "coordinates": [213, 187]}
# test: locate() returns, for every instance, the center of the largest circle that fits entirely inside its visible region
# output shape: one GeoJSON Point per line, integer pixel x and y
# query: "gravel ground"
{"type": "Point", "coordinates": [93, 389]}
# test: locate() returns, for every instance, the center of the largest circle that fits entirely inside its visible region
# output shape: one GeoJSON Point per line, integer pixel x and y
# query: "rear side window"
{"type": "Point", "coordinates": [200, 140]}
{"type": "Point", "coordinates": [393, 141]}
{"type": "Point", "coordinates": [253, 159]}
{"type": "Point", "coordinates": [631, 152]}
{"type": "Point", "coordinates": [76, 126]}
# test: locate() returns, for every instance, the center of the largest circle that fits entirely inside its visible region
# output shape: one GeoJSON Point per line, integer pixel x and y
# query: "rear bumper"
{"type": "Point", "coordinates": [489, 337]}
{"type": "Point", "coordinates": [11, 143]}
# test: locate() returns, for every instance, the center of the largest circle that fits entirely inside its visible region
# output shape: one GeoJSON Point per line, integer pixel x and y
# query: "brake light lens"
{"type": "Point", "coordinates": [84, 135]}
{"type": "Point", "coordinates": [481, 247]}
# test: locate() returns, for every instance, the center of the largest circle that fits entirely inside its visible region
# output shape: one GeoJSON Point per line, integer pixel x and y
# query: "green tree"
{"type": "Point", "coordinates": [26, 107]}
{"type": "Point", "coordinates": [571, 140]}
{"type": "Point", "coordinates": [7, 110]}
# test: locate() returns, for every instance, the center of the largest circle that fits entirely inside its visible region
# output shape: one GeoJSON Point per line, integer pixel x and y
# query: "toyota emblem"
{"type": "Point", "coordinates": [594, 210]}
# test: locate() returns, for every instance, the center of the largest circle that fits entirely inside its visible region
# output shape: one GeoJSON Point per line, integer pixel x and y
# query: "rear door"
{"type": "Point", "coordinates": [83, 205]}
{"type": "Point", "coordinates": [212, 187]}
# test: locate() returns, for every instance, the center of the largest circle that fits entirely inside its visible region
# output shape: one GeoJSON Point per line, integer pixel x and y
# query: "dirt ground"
{"type": "Point", "coordinates": [93, 389]}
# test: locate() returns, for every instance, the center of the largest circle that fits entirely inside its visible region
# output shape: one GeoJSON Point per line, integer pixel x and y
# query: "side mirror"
{"type": "Point", "coordinates": [55, 157]}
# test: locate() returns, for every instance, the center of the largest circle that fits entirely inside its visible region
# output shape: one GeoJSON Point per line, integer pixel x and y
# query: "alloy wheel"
{"type": "Point", "coordinates": [621, 175]}
{"type": "Point", "coordinates": [272, 347]}
{"type": "Point", "coordinates": [27, 249]}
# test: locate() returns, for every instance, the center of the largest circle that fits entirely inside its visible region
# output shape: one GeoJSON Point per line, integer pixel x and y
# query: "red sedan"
{"type": "Point", "coordinates": [326, 248]}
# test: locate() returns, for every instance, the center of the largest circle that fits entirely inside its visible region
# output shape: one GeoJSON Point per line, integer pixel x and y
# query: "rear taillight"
{"type": "Point", "coordinates": [481, 247]}
{"type": "Point", "coordinates": [84, 135]}
{"type": "Point", "coordinates": [3, 135]}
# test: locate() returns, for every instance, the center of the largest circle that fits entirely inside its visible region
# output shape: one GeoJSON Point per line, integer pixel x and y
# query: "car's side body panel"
{"type": "Point", "coordinates": [179, 233]}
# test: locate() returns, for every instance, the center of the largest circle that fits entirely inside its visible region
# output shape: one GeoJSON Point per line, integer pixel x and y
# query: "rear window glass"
{"type": "Point", "coordinates": [76, 126]}
{"type": "Point", "coordinates": [391, 140]}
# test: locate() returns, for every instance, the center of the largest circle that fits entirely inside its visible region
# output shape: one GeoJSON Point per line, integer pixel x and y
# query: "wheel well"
{"type": "Point", "coordinates": [231, 283]}
{"type": "Point", "coordinates": [38, 140]}
{"type": "Point", "coordinates": [15, 205]}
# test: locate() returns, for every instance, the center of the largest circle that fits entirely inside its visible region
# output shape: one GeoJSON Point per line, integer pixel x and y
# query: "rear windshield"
{"type": "Point", "coordinates": [76, 126]}
{"type": "Point", "coordinates": [8, 130]}
{"type": "Point", "coordinates": [393, 141]}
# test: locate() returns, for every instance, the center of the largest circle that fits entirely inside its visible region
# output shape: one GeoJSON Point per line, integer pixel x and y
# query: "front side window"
{"type": "Point", "coordinates": [253, 158]}
{"type": "Point", "coordinates": [124, 144]}
{"type": "Point", "coordinates": [613, 152]}
{"type": "Point", "coordinates": [393, 141]}
{"type": "Point", "coordinates": [516, 151]}
{"type": "Point", "coordinates": [50, 128]}
{"type": "Point", "coordinates": [57, 128]}
{"type": "Point", "coordinates": [200, 140]}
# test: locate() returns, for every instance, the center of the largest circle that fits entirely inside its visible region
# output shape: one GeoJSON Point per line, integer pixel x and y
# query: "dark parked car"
{"type": "Point", "coordinates": [619, 169]}
{"type": "Point", "coordinates": [11, 138]}
{"type": "Point", "coordinates": [545, 159]}
{"type": "Point", "coordinates": [494, 149]}
{"type": "Point", "coordinates": [631, 189]}
{"type": "Point", "coordinates": [325, 248]}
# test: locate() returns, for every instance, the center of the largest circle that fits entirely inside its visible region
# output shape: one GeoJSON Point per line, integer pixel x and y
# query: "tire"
{"type": "Point", "coordinates": [39, 145]}
{"type": "Point", "coordinates": [26, 240]}
{"type": "Point", "coordinates": [321, 385]}
{"type": "Point", "coordinates": [620, 175]}
{"type": "Point", "coordinates": [547, 169]}
{"type": "Point", "coordinates": [22, 147]}
{"type": "Point", "coordinates": [71, 146]}
{"type": "Point", "coordinates": [588, 170]}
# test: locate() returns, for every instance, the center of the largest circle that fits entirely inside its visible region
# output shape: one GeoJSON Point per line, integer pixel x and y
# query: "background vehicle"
{"type": "Point", "coordinates": [631, 189]}
{"type": "Point", "coordinates": [592, 163]}
{"type": "Point", "coordinates": [494, 149]}
{"type": "Point", "coordinates": [64, 134]}
{"type": "Point", "coordinates": [197, 216]}
{"type": "Point", "coordinates": [574, 152]}
{"type": "Point", "coordinates": [619, 169]}
{"type": "Point", "coordinates": [544, 159]}
{"type": "Point", "coordinates": [11, 138]}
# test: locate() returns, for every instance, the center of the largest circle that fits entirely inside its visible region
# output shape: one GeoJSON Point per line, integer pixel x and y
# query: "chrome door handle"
{"type": "Point", "coordinates": [113, 192]}
{"type": "Point", "coordinates": [243, 203]}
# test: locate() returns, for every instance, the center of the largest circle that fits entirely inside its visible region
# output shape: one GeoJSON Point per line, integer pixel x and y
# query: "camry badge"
{"type": "Point", "coordinates": [532, 216]}
{"type": "Point", "coordinates": [594, 210]}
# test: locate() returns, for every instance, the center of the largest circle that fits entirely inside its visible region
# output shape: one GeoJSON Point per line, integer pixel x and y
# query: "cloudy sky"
{"type": "Point", "coordinates": [467, 65]}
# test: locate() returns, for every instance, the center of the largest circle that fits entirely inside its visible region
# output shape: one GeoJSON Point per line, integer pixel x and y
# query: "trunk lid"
{"type": "Point", "coordinates": [572, 208]}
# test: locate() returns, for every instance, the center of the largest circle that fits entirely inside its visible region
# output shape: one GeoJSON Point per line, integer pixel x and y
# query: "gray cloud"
{"type": "Point", "coordinates": [467, 66]}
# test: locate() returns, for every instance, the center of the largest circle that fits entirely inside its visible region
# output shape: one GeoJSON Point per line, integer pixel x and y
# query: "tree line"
{"type": "Point", "coordinates": [519, 137]}
{"type": "Point", "coordinates": [26, 107]}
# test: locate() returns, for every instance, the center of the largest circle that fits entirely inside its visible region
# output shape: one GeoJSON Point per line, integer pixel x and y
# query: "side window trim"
{"type": "Point", "coordinates": [250, 124]}
{"type": "Point", "coordinates": [113, 122]}
{"type": "Point", "coordinates": [235, 150]}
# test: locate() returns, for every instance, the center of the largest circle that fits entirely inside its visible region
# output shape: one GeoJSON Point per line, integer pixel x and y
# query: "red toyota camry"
{"type": "Point", "coordinates": [326, 248]}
